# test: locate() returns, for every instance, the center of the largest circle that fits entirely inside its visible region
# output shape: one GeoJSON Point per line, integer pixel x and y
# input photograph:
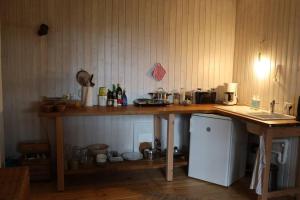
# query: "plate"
{"type": "Point", "coordinates": [132, 156]}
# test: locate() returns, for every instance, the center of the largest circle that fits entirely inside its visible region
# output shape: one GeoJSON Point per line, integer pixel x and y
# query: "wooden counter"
{"type": "Point", "coordinates": [267, 129]}
{"type": "Point", "coordinates": [175, 109]}
{"type": "Point", "coordinates": [132, 110]}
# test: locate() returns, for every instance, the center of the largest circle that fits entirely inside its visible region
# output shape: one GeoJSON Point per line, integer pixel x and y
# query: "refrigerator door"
{"type": "Point", "coordinates": [210, 148]}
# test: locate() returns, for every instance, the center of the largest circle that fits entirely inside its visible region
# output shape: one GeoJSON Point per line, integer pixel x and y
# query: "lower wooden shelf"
{"type": "Point", "coordinates": [125, 166]}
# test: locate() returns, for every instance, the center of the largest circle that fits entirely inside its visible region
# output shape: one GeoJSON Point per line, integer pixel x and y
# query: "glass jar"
{"type": "Point", "coordinates": [76, 153]}
{"type": "Point", "coordinates": [84, 156]}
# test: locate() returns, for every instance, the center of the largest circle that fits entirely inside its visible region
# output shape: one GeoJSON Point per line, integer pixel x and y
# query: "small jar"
{"type": "Point", "coordinates": [176, 98]}
{"type": "Point", "coordinates": [74, 162]}
{"type": "Point", "coordinates": [102, 100]}
{"type": "Point", "coordinates": [102, 91]}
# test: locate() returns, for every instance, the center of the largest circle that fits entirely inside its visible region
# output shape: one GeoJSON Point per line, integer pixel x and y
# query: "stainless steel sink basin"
{"type": "Point", "coordinates": [269, 116]}
{"type": "Point", "coordinates": [257, 114]}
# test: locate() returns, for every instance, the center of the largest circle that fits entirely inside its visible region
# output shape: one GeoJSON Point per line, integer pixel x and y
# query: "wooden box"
{"type": "Point", "coordinates": [34, 147]}
{"type": "Point", "coordinates": [36, 155]}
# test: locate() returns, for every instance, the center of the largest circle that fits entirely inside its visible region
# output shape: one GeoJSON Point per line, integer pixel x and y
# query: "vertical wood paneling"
{"type": "Point", "coordinates": [118, 41]}
{"type": "Point", "coordinates": [172, 47]}
{"type": "Point", "coordinates": [178, 44]}
{"type": "Point", "coordinates": [276, 22]}
{"type": "Point", "coordinates": [184, 42]}
{"type": "Point", "coordinates": [1, 112]}
{"type": "Point", "coordinates": [195, 47]}
{"type": "Point", "coordinates": [128, 46]}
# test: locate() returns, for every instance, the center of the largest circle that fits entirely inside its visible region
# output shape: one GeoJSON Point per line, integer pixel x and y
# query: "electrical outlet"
{"type": "Point", "coordinates": [287, 107]}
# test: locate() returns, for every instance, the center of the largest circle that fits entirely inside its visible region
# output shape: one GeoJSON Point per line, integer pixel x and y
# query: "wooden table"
{"type": "Point", "coordinates": [14, 183]}
{"type": "Point", "coordinates": [267, 129]}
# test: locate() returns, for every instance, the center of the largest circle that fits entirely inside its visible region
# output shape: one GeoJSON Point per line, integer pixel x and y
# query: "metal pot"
{"type": "Point", "coordinates": [160, 94]}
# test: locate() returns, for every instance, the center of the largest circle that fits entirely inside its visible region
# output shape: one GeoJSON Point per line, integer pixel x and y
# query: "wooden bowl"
{"type": "Point", "coordinates": [98, 148]}
{"type": "Point", "coordinates": [60, 107]}
{"type": "Point", "coordinates": [47, 108]}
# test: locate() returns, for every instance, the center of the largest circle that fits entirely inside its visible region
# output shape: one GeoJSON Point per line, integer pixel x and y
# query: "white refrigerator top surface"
{"type": "Point", "coordinates": [211, 116]}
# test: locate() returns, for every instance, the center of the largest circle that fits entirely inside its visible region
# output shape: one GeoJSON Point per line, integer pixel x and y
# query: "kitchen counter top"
{"type": "Point", "coordinates": [156, 110]}
{"type": "Point", "coordinates": [131, 110]}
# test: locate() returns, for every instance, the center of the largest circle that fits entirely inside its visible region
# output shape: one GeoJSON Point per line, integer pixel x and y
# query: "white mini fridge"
{"type": "Point", "coordinates": [218, 149]}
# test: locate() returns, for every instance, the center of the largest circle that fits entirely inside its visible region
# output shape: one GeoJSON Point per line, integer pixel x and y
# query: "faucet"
{"type": "Point", "coordinates": [272, 106]}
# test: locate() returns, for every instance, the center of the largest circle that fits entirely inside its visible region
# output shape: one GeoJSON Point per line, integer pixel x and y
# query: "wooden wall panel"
{"type": "Point", "coordinates": [276, 22]}
{"type": "Point", "coordinates": [117, 41]}
{"type": "Point", "coordinates": [2, 157]}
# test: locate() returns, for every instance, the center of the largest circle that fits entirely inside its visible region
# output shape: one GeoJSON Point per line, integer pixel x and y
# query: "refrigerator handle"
{"type": "Point", "coordinates": [208, 129]}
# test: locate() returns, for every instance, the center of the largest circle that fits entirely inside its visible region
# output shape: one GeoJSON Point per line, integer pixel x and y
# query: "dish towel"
{"type": "Point", "coordinates": [260, 163]}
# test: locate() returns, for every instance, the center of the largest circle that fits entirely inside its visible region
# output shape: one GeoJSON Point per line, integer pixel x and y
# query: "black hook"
{"type": "Point", "coordinates": [43, 30]}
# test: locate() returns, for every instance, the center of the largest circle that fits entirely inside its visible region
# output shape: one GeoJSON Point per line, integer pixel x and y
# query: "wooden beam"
{"type": "Point", "coordinates": [164, 116]}
{"type": "Point", "coordinates": [170, 147]}
{"type": "Point", "coordinates": [60, 153]}
{"type": "Point", "coordinates": [255, 128]}
{"type": "Point", "coordinates": [286, 192]}
{"type": "Point", "coordinates": [298, 172]}
{"type": "Point", "coordinates": [283, 132]}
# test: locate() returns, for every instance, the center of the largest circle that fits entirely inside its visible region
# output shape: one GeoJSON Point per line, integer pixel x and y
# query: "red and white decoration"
{"type": "Point", "coordinates": [158, 72]}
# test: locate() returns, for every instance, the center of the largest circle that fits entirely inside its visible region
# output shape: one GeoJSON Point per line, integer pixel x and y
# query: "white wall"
{"type": "Point", "coordinates": [118, 41]}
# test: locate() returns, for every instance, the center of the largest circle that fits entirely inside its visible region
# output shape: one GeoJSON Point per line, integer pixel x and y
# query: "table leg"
{"type": "Point", "coordinates": [170, 147]}
{"type": "Point", "coordinates": [268, 138]}
{"type": "Point", "coordinates": [60, 153]}
{"type": "Point", "coordinates": [157, 127]}
{"type": "Point", "coordinates": [298, 172]}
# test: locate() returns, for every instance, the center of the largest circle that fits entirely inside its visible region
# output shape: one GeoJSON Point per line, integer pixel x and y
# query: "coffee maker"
{"type": "Point", "coordinates": [230, 94]}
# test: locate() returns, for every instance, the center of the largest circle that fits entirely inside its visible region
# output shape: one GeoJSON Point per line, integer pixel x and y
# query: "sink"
{"type": "Point", "coordinates": [269, 116]}
{"type": "Point", "coordinates": [257, 114]}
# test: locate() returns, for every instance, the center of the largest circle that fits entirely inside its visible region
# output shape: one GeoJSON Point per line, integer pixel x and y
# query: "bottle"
{"type": "Point", "coordinates": [109, 98]}
{"type": "Point", "coordinates": [298, 110]}
{"type": "Point", "coordinates": [114, 92]}
{"type": "Point", "coordinates": [119, 95]}
{"type": "Point", "coordinates": [124, 98]}
{"type": "Point", "coordinates": [114, 96]}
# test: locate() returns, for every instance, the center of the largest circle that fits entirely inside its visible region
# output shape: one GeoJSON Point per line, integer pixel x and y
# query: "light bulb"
{"type": "Point", "coordinates": [262, 67]}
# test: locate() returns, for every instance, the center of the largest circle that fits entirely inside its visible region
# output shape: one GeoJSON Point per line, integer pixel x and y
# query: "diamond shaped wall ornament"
{"type": "Point", "coordinates": [158, 72]}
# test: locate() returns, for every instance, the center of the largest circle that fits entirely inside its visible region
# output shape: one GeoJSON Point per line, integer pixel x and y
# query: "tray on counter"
{"type": "Point", "coordinates": [150, 102]}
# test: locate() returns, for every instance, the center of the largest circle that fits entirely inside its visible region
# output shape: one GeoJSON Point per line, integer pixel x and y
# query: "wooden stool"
{"type": "Point", "coordinates": [14, 183]}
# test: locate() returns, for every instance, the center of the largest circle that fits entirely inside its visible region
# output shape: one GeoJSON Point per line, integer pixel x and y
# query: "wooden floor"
{"type": "Point", "coordinates": [147, 184]}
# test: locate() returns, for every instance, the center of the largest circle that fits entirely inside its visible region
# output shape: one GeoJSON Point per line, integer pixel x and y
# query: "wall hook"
{"type": "Point", "coordinates": [43, 30]}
